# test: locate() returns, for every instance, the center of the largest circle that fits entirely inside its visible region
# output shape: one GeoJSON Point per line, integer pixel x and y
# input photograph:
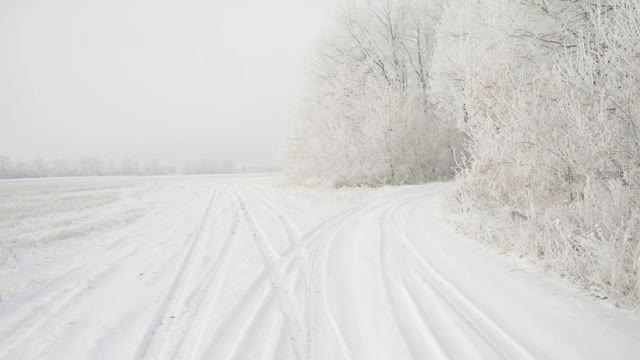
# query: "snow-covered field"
{"type": "Point", "coordinates": [231, 267]}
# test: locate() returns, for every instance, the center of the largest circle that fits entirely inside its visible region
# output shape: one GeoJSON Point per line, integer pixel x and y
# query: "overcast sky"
{"type": "Point", "coordinates": [170, 79]}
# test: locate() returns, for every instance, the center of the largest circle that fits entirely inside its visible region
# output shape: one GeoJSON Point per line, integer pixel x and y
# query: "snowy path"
{"type": "Point", "coordinates": [230, 269]}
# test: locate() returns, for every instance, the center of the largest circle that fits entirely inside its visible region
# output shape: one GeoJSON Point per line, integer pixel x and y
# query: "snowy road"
{"type": "Point", "coordinates": [247, 268]}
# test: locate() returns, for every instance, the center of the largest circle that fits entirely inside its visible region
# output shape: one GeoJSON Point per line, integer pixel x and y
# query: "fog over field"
{"type": "Point", "coordinates": [320, 179]}
{"type": "Point", "coordinates": [175, 81]}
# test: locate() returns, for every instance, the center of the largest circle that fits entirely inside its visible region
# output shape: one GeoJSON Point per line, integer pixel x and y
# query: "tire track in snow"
{"type": "Point", "coordinates": [478, 321]}
{"type": "Point", "coordinates": [439, 312]}
{"type": "Point", "coordinates": [324, 251]}
{"type": "Point", "coordinates": [62, 298]}
{"type": "Point", "coordinates": [429, 320]}
{"type": "Point", "coordinates": [216, 277]}
{"type": "Point", "coordinates": [260, 334]}
{"type": "Point", "coordinates": [295, 268]}
{"type": "Point", "coordinates": [176, 294]}
{"type": "Point", "coordinates": [403, 307]}
{"type": "Point", "coordinates": [248, 322]}
{"type": "Point", "coordinates": [270, 350]}
{"type": "Point", "coordinates": [286, 300]}
{"type": "Point", "coordinates": [319, 256]}
{"type": "Point", "coordinates": [261, 286]}
{"type": "Point", "coordinates": [323, 235]}
{"type": "Point", "coordinates": [293, 231]}
{"type": "Point", "coordinates": [238, 321]}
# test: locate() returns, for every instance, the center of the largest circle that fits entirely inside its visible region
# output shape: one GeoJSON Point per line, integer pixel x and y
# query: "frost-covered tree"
{"type": "Point", "coordinates": [548, 94]}
{"type": "Point", "coordinates": [367, 116]}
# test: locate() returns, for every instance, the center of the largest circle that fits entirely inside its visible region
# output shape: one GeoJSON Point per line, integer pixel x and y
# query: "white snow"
{"type": "Point", "coordinates": [230, 267]}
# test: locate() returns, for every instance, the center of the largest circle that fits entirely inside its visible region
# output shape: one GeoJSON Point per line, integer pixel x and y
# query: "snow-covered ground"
{"type": "Point", "coordinates": [231, 267]}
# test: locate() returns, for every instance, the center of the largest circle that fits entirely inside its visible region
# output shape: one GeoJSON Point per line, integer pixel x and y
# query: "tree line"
{"type": "Point", "coordinates": [533, 105]}
{"type": "Point", "coordinates": [367, 117]}
{"type": "Point", "coordinates": [92, 166]}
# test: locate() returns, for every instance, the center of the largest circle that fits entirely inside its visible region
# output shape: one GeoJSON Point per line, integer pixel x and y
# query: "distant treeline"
{"type": "Point", "coordinates": [10, 169]}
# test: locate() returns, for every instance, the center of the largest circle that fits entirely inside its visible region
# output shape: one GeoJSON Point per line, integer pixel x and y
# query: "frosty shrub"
{"type": "Point", "coordinates": [367, 117]}
{"type": "Point", "coordinates": [547, 93]}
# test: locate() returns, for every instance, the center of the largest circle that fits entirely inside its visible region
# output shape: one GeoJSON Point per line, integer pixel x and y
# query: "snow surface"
{"type": "Point", "coordinates": [230, 267]}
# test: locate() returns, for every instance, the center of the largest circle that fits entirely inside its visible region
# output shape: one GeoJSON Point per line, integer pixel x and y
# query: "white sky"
{"type": "Point", "coordinates": [172, 79]}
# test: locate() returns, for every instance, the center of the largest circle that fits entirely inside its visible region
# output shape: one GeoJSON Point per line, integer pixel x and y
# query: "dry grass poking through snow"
{"type": "Point", "coordinates": [35, 213]}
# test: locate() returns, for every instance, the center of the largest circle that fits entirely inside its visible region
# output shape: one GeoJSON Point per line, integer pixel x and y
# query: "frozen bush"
{"type": "Point", "coordinates": [367, 118]}
{"type": "Point", "coordinates": [547, 93]}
